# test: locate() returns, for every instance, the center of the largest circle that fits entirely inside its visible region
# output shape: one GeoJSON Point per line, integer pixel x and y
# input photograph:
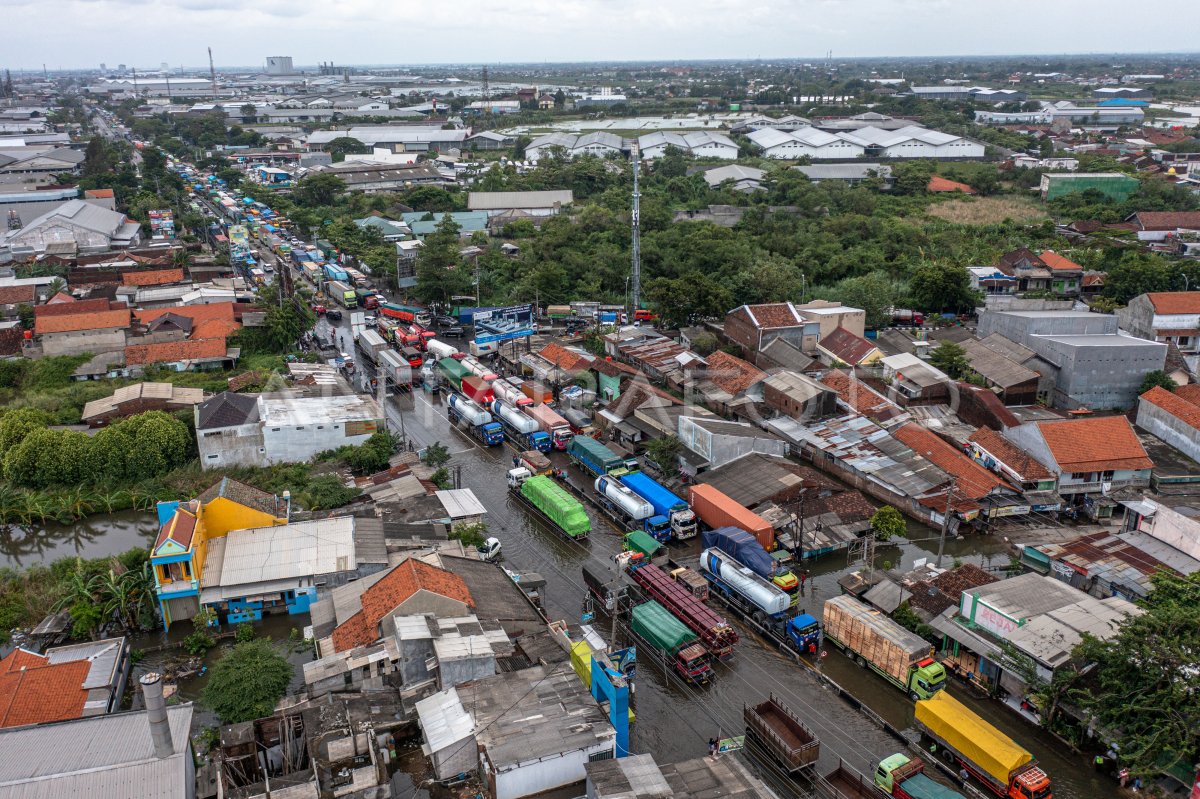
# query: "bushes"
{"type": "Point", "coordinates": [248, 682]}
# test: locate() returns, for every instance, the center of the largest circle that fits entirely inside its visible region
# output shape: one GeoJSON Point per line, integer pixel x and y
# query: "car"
{"type": "Point", "coordinates": [370, 320]}
{"type": "Point", "coordinates": [318, 309]}
{"type": "Point", "coordinates": [446, 321]}
{"type": "Point", "coordinates": [453, 332]}
{"type": "Point", "coordinates": [334, 314]}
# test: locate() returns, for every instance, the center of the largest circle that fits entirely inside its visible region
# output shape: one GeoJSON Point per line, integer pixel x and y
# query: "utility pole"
{"type": "Point", "coordinates": [135, 86]}
{"type": "Point", "coordinates": [485, 88]}
{"type": "Point", "coordinates": [945, 524]}
{"type": "Point", "coordinates": [212, 72]}
{"type": "Point", "coordinates": [636, 241]}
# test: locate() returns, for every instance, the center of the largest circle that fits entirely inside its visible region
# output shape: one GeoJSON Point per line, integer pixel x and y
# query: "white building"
{"type": "Point", "coordinates": [247, 430]}
{"type": "Point", "coordinates": [696, 144]}
{"type": "Point", "coordinates": [914, 141]}
{"type": "Point", "coordinates": [572, 146]}
{"type": "Point", "coordinates": [279, 65]}
{"type": "Point", "coordinates": [74, 227]}
{"type": "Point", "coordinates": [810, 142]}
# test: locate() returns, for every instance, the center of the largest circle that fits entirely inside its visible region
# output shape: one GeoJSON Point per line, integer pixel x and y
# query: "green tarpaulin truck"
{"type": "Point", "coordinates": [550, 501]}
{"type": "Point", "coordinates": [668, 638]}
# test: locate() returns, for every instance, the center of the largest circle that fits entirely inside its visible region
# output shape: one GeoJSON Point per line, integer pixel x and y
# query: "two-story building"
{"type": "Point", "coordinates": [1065, 275]}
{"type": "Point", "coordinates": [753, 327]}
{"type": "Point", "coordinates": [1090, 458]}
{"type": "Point", "coordinates": [1166, 317]}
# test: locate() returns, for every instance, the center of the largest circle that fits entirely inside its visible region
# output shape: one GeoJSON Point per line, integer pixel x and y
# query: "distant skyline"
{"type": "Point", "coordinates": [81, 34]}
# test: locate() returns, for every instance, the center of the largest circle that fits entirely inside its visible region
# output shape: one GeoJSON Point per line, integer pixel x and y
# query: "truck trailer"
{"type": "Point", "coordinates": [594, 457]}
{"type": "Point", "coordinates": [670, 642]}
{"type": "Point", "coordinates": [342, 294]}
{"type": "Point", "coordinates": [396, 372]}
{"type": "Point", "coordinates": [371, 344]}
{"type": "Point", "coordinates": [523, 431]}
{"type": "Point", "coordinates": [747, 551]}
{"type": "Point", "coordinates": [716, 509]}
{"type": "Point", "coordinates": [475, 420]}
{"type": "Point", "coordinates": [628, 509]}
{"type": "Point", "coordinates": [904, 778]}
{"type": "Point", "coordinates": [677, 513]}
{"type": "Point", "coordinates": [999, 763]}
{"type": "Point", "coordinates": [715, 633]}
{"type": "Point", "coordinates": [550, 501]}
{"type": "Point", "coordinates": [901, 657]}
{"type": "Point", "coordinates": [551, 424]}
{"type": "Point", "coordinates": [782, 734]}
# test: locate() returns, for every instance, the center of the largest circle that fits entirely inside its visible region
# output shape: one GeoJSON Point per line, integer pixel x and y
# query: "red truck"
{"type": "Point", "coordinates": [716, 509]}
{"type": "Point", "coordinates": [553, 425]}
{"type": "Point", "coordinates": [478, 390]}
{"type": "Point", "coordinates": [715, 633]}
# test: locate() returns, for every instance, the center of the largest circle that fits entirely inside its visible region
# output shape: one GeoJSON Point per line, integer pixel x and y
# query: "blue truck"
{"type": "Point", "coordinates": [521, 430]}
{"type": "Point", "coordinates": [333, 272]}
{"type": "Point", "coordinates": [593, 456]}
{"type": "Point", "coordinates": [681, 521]}
{"type": "Point", "coordinates": [475, 420]}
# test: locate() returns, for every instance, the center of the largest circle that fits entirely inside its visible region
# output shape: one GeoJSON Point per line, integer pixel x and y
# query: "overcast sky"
{"type": "Point", "coordinates": [84, 33]}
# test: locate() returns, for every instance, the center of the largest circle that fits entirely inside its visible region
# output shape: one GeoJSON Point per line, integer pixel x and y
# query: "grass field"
{"type": "Point", "coordinates": [988, 210]}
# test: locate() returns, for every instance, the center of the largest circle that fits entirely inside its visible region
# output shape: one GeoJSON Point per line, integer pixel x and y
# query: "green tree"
{"type": "Point", "coordinates": [876, 293]}
{"type": "Point", "coordinates": [1144, 680]}
{"type": "Point", "coordinates": [1137, 273]}
{"type": "Point", "coordinates": [17, 424]}
{"type": "Point", "coordinates": [440, 272]}
{"type": "Point", "coordinates": [1157, 378]}
{"type": "Point", "coordinates": [941, 287]}
{"type": "Point", "coordinates": [320, 189]}
{"type": "Point", "coordinates": [951, 358]}
{"type": "Point", "coordinates": [887, 523]}
{"type": "Point", "coordinates": [247, 683]}
{"type": "Point", "coordinates": [249, 112]}
{"type": "Point", "coordinates": [285, 320]}
{"type": "Point", "coordinates": [665, 452]}
{"type": "Point", "coordinates": [343, 145]}
{"type": "Point", "coordinates": [437, 455]}
{"type": "Point", "coordinates": [913, 177]}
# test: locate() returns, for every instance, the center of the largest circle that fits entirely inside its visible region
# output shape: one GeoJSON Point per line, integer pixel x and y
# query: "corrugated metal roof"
{"type": "Point", "coordinates": [503, 200]}
{"type": "Point", "coordinates": [461, 503]}
{"type": "Point", "coordinates": [110, 756]}
{"type": "Point", "coordinates": [287, 552]}
{"type": "Point", "coordinates": [444, 720]}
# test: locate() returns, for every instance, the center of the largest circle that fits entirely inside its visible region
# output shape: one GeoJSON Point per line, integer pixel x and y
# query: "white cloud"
{"type": "Point", "coordinates": [83, 33]}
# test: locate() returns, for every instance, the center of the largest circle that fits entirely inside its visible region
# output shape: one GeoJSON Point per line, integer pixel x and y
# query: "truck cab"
{"type": "Point", "coordinates": [926, 679]}
{"type": "Point", "coordinates": [541, 441]}
{"type": "Point", "coordinates": [894, 770]}
{"type": "Point", "coordinates": [492, 434]}
{"type": "Point", "coordinates": [659, 527]}
{"type": "Point", "coordinates": [804, 632]}
{"type": "Point", "coordinates": [562, 437]}
{"type": "Point", "coordinates": [694, 663]}
{"type": "Point", "coordinates": [516, 477]}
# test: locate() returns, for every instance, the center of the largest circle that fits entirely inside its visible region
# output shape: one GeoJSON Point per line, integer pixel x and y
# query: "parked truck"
{"type": "Point", "coordinates": [453, 371]}
{"type": "Point", "coordinates": [903, 658]}
{"type": "Point", "coordinates": [550, 501]}
{"type": "Point", "coordinates": [396, 373]}
{"type": "Point", "coordinates": [593, 456]}
{"type": "Point", "coordinates": [760, 604]}
{"type": "Point", "coordinates": [366, 297]}
{"type": "Point", "coordinates": [510, 392]}
{"type": "Point", "coordinates": [372, 344]}
{"type": "Point", "coordinates": [845, 782]}
{"type": "Point", "coordinates": [715, 633]}
{"type": "Point", "coordinates": [785, 738]}
{"type": "Point", "coordinates": [663, 636]}
{"type": "Point", "coordinates": [679, 516]}
{"type": "Point", "coordinates": [335, 272]}
{"type": "Point", "coordinates": [628, 509]}
{"type": "Point", "coordinates": [536, 462]}
{"type": "Point", "coordinates": [643, 544]}
{"type": "Point", "coordinates": [523, 431]}
{"type": "Point", "coordinates": [551, 424]}
{"type": "Point", "coordinates": [967, 741]}
{"type": "Point", "coordinates": [342, 294]}
{"type": "Point", "coordinates": [478, 390]}
{"type": "Point", "coordinates": [475, 420]}
{"type": "Point", "coordinates": [406, 313]}
{"type": "Point", "coordinates": [904, 778]}
{"type": "Point", "coordinates": [440, 349]}
{"type": "Point", "coordinates": [745, 549]}
{"type": "Point", "coordinates": [716, 509]}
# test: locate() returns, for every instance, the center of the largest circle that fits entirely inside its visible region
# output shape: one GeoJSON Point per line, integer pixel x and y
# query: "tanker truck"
{"type": "Point", "coordinates": [680, 519]}
{"type": "Point", "coordinates": [523, 432]}
{"type": "Point", "coordinates": [628, 509]}
{"type": "Point", "coordinates": [475, 420]}
{"type": "Point", "coordinates": [747, 551]}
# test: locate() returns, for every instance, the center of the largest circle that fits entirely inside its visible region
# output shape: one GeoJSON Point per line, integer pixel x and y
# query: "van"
{"type": "Point", "coordinates": [453, 332]}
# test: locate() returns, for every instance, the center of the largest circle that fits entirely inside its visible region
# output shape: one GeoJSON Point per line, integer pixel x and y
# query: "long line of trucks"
{"type": "Point", "coordinates": [874, 641]}
{"type": "Point", "coordinates": [551, 502]}
{"type": "Point", "coordinates": [523, 431]}
{"type": "Point", "coordinates": [714, 632]}
{"type": "Point", "coordinates": [681, 521]}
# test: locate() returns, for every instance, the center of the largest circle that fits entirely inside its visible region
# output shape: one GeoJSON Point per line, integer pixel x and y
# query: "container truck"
{"type": "Point", "coordinates": [478, 390]}
{"type": "Point", "coordinates": [745, 549]}
{"type": "Point", "coordinates": [395, 371]}
{"type": "Point", "coordinates": [679, 516]}
{"type": "Point", "coordinates": [510, 393]}
{"type": "Point", "coordinates": [967, 741]}
{"type": "Point", "coordinates": [440, 349]}
{"type": "Point", "coordinates": [903, 658]}
{"type": "Point", "coordinates": [475, 420]}
{"type": "Point", "coordinates": [371, 344]}
{"type": "Point", "coordinates": [716, 509]}
{"type": "Point", "coordinates": [333, 272]}
{"type": "Point", "coordinates": [521, 430]}
{"type": "Point", "coordinates": [453, 371]}
{"type": "Point", "coordinates": [664, 637]}
{"type": "Point", "coordinates": [550, 501]}
{"type": "Point", "coordinates": [714, 632]}
{"type": "Point", "coordinates": [593, 456]}
{"type": "Point", "coordinates": [904, 778]}
{"type": "Point", "coordinates": [366, 297]}
{"type": "Point", "coordinates": [536, 392]}
{"type": "Point", "coordinates": [342, 294]}
{"type": "Point", "coordinates": [406, 313]}
{"type": "Point", "coordinates": [551, 424]}
{"type": "Point", "coordinates": [777, 729]}
{"type": "Point", "coordinates": [760, 604]}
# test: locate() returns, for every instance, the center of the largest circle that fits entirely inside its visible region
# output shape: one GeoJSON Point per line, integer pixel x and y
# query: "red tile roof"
{"type": "Point", "coordinates": [61, 298]}
{"type": "Point", "coordinates": [63, 304]}
{"type": "Point", "coordinates": [731, 374]}
{"type": "Point", "coordinates": [846, 346]}
{"type": "Point", "coordinates": [1097, 444]}
{"type": "Point", "coordinates": [197, 313]}
{"type": "Point", "coordinates": [98, 194]}
{"type": "Point", "coordinates": [974, 481]}
{"type": "Point", "coordinates": [565, 359]}
{"type": "Point", "coordinates": [1168, 220]}
{"type": "Point", "coordinates": [1058, 263]}
{"type": "Point", "coordinates": [179, 528]}
{"type": "Point", "coordinates": [1093, 279]}
{"type": "Point", "coordinates": [1190, 392]}
{"type": "Point", "coordinates": [1175, 302]}
{"type": "Point", "coordinates": [173, 351]}
{"type": "Point", "coordinates": [937, 183]}
{"type": "Point", "coordinates": [70, 323]}
{"type": "Point", "coordinates": [857, 394]}
{"type": "Point", "coordinates": [15, 295]}
{"type": "Point", "coordinates": [151, 277]}
{"type": "Point", "coordinates": [392, 591]}
{"type": "Point", "coordinates": [773, 315]}
{"type": "Point", "coordinates": [1010, 454]}
{"type": "Point", "coordinates": [215, 328]}
{"type": "Point", "coordinates": [32, 691]}
{"type": "Point", "coordinates": [1177, 406]}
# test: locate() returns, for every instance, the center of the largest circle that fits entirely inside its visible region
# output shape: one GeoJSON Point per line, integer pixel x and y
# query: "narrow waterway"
{"type": "Point", "coordinates": [22, 546]}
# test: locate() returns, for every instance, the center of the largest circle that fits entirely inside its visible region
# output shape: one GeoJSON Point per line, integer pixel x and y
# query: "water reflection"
{"type": "Point", "coordinates": [22, 546]}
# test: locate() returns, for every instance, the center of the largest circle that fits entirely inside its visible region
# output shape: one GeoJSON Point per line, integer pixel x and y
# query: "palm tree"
{"type": "Point", "coordinates": [55, 286]}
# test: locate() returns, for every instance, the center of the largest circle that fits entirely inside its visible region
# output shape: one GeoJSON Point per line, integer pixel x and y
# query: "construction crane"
{"type": "Point", "coordinates": [635, 275]}
{"type": "Point", "coordinates": [212, 72]}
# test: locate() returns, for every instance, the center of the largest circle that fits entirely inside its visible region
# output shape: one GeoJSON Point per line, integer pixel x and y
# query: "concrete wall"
{"type": "Point", "coordinates": [78, 342]}
{"type": "Point", "coordinates": [1020, 328]}
{"type": "Point", "coordinates": [1171, 429]}
{"type": "Point", "coordinates": [231, 446]}
{"type": "Point", "coordinates": [1137, 318]}
{"type": "Point", "coordinates": [1096, 375]}
{"type": "Point", "coordinates": [526, 779]}
{"type": "Point", "coordinates": [1029, 438]}
{"type": "Point", "coordinates": [420, 603]}
{"type": "Point", "coordinates": [460, 670]}
{"type": "Point", "coordinates": [298, 444]}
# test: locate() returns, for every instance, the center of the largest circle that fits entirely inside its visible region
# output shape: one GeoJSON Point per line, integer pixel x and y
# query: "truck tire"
{"type": "Point", "coordinates": [861, 661]}
{"type": "Point", "coordinates": [913, 696]}
{"type": "Point", "coordinates": [948, 756]}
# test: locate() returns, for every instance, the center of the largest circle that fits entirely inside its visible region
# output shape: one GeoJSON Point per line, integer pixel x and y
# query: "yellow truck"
{"type": "Point", "coordinates": [967, 741]}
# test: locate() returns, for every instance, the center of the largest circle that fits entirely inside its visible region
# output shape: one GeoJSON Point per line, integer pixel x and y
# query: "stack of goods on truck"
{"type": "Point", "coordinates": [901, 657]}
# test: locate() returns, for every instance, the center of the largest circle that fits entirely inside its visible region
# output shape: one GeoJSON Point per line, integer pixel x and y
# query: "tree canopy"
{"type": "Point", "coordinates": [247, 683]}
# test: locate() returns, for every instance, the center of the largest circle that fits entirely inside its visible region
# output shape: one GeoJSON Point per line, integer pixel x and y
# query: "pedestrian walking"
{"type": "Point", "coordinates": [1123, 777]}
{"type": "Point", "coordinates": [1137, 784]}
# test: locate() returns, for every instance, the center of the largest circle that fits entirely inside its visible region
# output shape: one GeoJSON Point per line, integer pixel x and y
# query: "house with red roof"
{"type": "Point", "coordinates": [1091, 457]}
{"type": "Point", "coordinates": [67, 682]}
{"type": "Point", "coordinates": [1167, 317]}
{"type": "Point", "coordinates": [993, 451]}
{"type": "Point", "coordinates": [730, 384]}
{"type": "Point", "coordinates": [1160, 225]}
{"type": "Point", "coordinates": [1173, 417]}
{"type": "Point", "coordinates": [755, 326]}
{"type": "Point", "coordinates": [1065, 275]}
{"type": "Point", "coordinates": [843, 348]}
{"type": "Point", "coordinates": [971, 481]}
